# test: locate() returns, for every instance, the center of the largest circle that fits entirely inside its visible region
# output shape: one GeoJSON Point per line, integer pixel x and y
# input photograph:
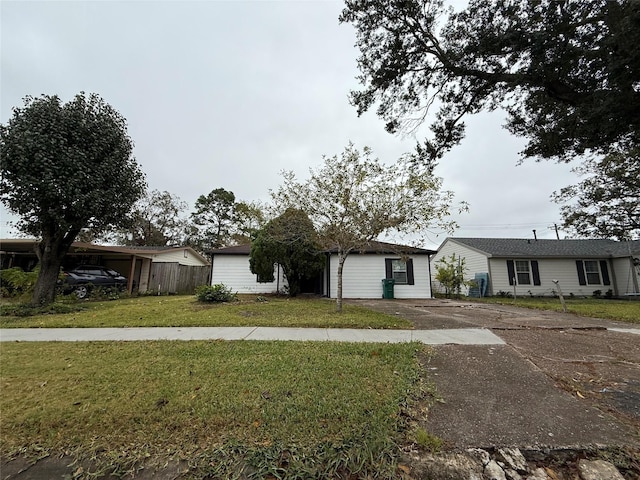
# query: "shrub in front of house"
{"type": "Point", "coordinates": [16, 282]}
{"type": "Point", "coordinates": [215, 293]}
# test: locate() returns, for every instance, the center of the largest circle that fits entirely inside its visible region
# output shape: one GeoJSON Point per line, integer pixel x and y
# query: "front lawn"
{"type": "Point", "coordinates": [185, 311]}
{"type": "Point", "coordinates": [623, 310]}
{"type": "Point", "coordinates": [278, 409]}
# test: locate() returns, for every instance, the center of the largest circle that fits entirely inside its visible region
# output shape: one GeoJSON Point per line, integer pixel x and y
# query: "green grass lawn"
{"type": "Point", "coordinates": [286, 409]}
{"type": "Point", "coordinates": [185, 311]}
{"type": "Point", "coordinates": [623, 310]}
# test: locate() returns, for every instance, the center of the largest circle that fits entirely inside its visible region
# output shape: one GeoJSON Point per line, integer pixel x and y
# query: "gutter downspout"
{"type": "Point", "coordinates": [429, 269]}
{"type": "Point", "coordinates": [613, 276]}
{"type": "Point", "coordinates": [489, 282]}
{"type": "Point", "coordinates": [634, 274]}
{"type": "Point", "coordinates": [328, 274]}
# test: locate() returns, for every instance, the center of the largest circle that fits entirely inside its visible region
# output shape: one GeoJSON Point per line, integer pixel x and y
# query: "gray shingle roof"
{"type": "Point", "coordinates": [372, 247]}
{"type": "Point", "coordinates": [522, 247]}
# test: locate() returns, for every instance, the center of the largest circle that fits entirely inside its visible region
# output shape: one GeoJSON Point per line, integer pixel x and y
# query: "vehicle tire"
{"type": "Point", "coordinates": [81, 291]}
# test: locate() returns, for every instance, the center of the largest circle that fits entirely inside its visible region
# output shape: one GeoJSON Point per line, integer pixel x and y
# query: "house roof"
{"type": "Point", "coordinates": [522, 247]}
{"type": "Point", "coordinates": [392, 248]}
{"type": "Point", "coordinates": [372, 247]}
{"type": "Point", "coordinates": [234, 250]}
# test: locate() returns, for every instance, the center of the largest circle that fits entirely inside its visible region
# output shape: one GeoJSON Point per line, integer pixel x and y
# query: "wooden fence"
{"type": "Point", "coordinates": [176, 278]}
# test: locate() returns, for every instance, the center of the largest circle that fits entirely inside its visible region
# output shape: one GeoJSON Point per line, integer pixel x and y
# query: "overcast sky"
{"type": "Point", "coordinates": [228, 94]}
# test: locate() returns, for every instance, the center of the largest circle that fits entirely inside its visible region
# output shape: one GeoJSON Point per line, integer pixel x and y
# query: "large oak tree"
{"type": "Point", "coordinates": [606, 202]}
{"type": "Point", "coordinates": [66, 167]}
{"type": "Point", "coordinates": [567, 72]}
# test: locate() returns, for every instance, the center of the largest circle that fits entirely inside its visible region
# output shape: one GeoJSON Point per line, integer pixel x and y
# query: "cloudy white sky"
{"type": "Point", "coordinates": [228, 94]}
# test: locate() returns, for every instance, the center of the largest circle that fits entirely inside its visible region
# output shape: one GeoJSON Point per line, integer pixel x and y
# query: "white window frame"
{"type": "Point", "coordinates": [399, 266]}
{"type": "Point", "coordinates": [519, 271]}
{"type": "Point", "coordinates": [592, 272]}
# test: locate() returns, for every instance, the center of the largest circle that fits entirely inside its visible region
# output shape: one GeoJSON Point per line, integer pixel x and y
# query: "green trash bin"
{"type": "Point", "coordinates": [387, 287]}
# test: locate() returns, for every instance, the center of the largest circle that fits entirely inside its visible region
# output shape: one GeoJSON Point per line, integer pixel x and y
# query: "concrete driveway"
{"type": "Point", "coordinates": [561, 381]}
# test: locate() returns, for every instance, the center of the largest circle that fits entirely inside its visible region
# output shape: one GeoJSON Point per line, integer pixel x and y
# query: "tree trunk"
{"type": "Point", "coordinates": [50, 252]}
{"type": "Point", "coordinates": [341, 258]}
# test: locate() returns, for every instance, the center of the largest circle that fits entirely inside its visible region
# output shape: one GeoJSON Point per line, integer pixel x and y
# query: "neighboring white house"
{"type": "Point", "coordinates": [362, 275]}
{"type": "Point", "coordinates": [580, 266]}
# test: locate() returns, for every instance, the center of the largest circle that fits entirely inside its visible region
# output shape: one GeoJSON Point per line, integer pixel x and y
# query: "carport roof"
{"type": "Point", "coordinates": [27, 245]}
{"type": "Point", "coordinates": [522, 247]}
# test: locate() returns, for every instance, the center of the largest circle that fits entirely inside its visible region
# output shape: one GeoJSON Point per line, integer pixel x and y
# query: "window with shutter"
{"type": "Point", "coordinates": [400, 270]}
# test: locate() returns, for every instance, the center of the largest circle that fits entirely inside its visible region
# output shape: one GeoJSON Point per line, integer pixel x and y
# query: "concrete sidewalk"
{"type": "Point", "coordinates": [458, 336]}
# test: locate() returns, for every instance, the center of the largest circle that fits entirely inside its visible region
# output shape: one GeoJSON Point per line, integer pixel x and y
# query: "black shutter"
{"type": "Point", "coordinates": [410, 279]}
{"type": "Point", "coordinates": [582, 280]}
{"type": "Point", "coordinates": [388, 269]}
{"type": "Point", "coordinates": [536, 272]}
{"type": "Point", "coordinates": [605, 272]}
{"type": "Point", "coordinates": [511, 271]}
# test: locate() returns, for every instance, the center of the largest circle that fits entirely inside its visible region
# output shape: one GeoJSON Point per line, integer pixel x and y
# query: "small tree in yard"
{"type": "Point", "coordinates": [291, 241]}
{"type": "Point", "coordinates": [352, 199]}
{"type": "Point", "coordinates": [65, 168]}
{"type": "Point", "coordinates": [450, 273]}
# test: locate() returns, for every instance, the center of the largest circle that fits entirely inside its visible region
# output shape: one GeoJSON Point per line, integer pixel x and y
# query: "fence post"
{"type": "Point", "coordinates": [564, 305]}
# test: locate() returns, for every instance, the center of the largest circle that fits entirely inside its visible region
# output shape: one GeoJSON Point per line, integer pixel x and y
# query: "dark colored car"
{"type": "Point", "coordinates": [82, 279]}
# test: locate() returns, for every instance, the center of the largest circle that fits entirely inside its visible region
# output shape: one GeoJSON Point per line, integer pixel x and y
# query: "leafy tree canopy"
{"type": "Point", "coordinates": [566, 72]}
{"type": "Point", "coordinates": [219, 220]}
{"type": "Point", "coordinates": [248, 217]}
{"type": "Point", "coordinates": [66, 167]}
{"type": "Point", "coordinates": [157, 219]}
{"type": "Point", "coordinates": [214, 214]}
{"type": "Point", "coordinates": [353, 198]}
{"type": "Point", "coordinates": [606, 203]}
{"type": "Point", "coordinates": [291, 241]}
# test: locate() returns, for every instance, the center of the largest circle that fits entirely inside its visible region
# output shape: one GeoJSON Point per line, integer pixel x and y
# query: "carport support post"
{"type": "Point", "coordinates": [132, 272]}
{"type": "Point", "coordinates": [564, 305]}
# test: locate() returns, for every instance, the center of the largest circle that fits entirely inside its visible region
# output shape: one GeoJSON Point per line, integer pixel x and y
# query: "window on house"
{"type": "Point", "coordinates": [263, 279]}
{"type": "Point", "coordinates": [592, 272]}
{"type": "Point", "coordinates": [523, 272]}
{"type": "Point", "coordinates": [401, 271]}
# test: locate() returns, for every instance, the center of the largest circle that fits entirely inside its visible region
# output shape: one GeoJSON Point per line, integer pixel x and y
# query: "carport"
{"type": "Point", "coordinates": [165, 269]}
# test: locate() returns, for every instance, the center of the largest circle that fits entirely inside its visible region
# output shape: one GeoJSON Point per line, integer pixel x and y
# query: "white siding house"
{"type": "Point", "coordinates": [530, 267]}
{"type": "Point", "coordinates": [363, 273]}
{"type": "Point", "coordinates": [361, 278]}
{"type": "Point", "coordinates": [230, 266]}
